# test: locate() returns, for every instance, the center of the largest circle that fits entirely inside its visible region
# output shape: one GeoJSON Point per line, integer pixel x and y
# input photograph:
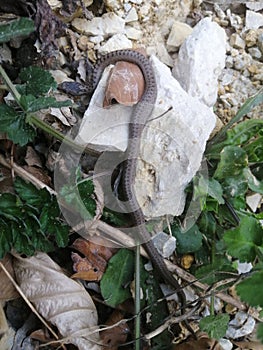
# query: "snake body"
{"type": "Point", "coordinates": [140, 115]}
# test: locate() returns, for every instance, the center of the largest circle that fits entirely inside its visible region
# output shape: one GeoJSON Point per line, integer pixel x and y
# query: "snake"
{"type": "Point", "coordinates": [140, 114]}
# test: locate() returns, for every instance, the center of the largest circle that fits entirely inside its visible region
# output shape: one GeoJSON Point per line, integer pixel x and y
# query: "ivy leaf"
{"type": "Point", "coordinates": [10, 206]}
{"type": "Point", "coordinates": [30, 194]}
{"type": "Point", "coordinates": [242, 242]}
{"type": "Point", "coordinates": [22, 26]}
{"type": "Point", "coordinates": [114, 283]}
{"type": "Point", "coordinates": [250, 289]}
{"type": "Point", "coordinates": [254, 150]}
{"type": "Point", "coordinates": [253, 183]}
{"type": "Point", "coordinates": [38, 81]}
{"type": "Point", "coordinates": [15, 126]}
{"type": "Point", "coordinates": [189, 241]}
{"type": "Point", "coordinates": [215, 325]}
{"type": "Point", "coordinates": [33, 104]}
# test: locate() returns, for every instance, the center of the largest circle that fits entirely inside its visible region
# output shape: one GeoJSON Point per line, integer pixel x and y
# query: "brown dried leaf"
{"type": "Point", "coordinates": [125, 85]}
{"type": "Point", "coordinates": [60, 300]}
{"type": "Point", "coordinates": [7, 289]}
{"type": "Point", "coordinates": [85, 269]}
{"type": "Point", "coordinates": [92, 267]}
{"type": "Point", "coordinates": [115, 336]}
{"type": "Point", "coordinates": [32, 158]}
{"type": "Point", "coordinates": [40, 174]}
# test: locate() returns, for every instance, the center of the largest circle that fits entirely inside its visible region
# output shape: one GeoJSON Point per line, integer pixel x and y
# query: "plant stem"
{"type": "Point", "coordinates": [10, 85]}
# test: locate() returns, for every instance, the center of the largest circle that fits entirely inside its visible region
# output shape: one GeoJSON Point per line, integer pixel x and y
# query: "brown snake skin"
{"type": "Point", "coordinates": [140, 115]}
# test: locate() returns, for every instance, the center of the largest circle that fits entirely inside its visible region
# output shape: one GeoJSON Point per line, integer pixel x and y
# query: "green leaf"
{"type": "Point", "coordinates": [215, 191]}
{"type": "Point", "coordinates": [254, 150]}
{"type": "Point", "coordinates": [253, 183]}
{"type": "Point", "coordinates": [233, 161]}
{"type": "Point", "coordinates": [30, 194]}
{"type": "Point", "coordinates": [242, 241]}
{"type": "Point", "coordinates": [20, 27]}
{"type": "Point", "coordinates": [247, 107]}
{"type": "Point", "coordinates": [61, 234]}
{"type": "Point", "coordinates": [215, 325]}
{"type": "Point", "coordinates": [250, 289]}
{"type": "Point", "coordinates": [244, 131]}
{"type": "Point", "coordinates": [38, 81]}
{"type": "Point", "coordinates": [15, 126]}
{"type": "Point", "coordinates": [86, 189]}
{"type": "Point", "coordinates": [10, 206]}
{"type": "Point", "coordinates": [260, 332]}
{"type": "Point", "coordinates": [114, 283]}
{"type": "Point", "coordinates": [33, 104]}
{"type": "Point", "coordinates": [4, 238]}
{"type": "Point", "coordinates": [189, 241]}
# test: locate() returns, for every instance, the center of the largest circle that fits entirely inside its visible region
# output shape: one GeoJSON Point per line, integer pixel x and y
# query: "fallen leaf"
{"type": "Point", "coordinates": [7, 289]}
{"type": "Point", "coordinates": [200, 344]}
{"type": "Point", "coordinates": [40, 174]}
{"type": "Point", "coordinates": [32, 158]}
{"type": "Point", "coordinates": [60, 300]}
{"type": "Point", "coordinates": [93, 265]}
{"type": "Point", "coordinates": [125, 85]}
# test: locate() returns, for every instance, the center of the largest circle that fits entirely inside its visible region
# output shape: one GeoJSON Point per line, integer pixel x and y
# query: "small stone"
{"type": "Point", "coordinates": [255, 52]}
{"type": "Point", "coordinates": [237, 42]}
{"type": "Point", "coordinates": [255, 5]}
{"type": "Point", "coordinates": [83, 43]}
{"type": "Point", "coordinates": [132, 16]}
{"type": "Point", "coordinates": [242, 61]}
{"type": "Point", "coordinates": [133, 33]}
{"type": "Point", "coordinates": [112, 5]}
{"type": "Point", "coordinates": [225, 344]}
{"type": "Point", "coordinates": [260, 42]}
{"type": "Point", "coordinates": [254, 20]}
{"type": "Point", "coordinates": [137, 2]}
{"type": "Point", "coordinates": [116, 42]}
{"type": "Point", "coordinates": [251, 37]}
{"type": "Point", "coordinates": [179, 32]}
{"type": "Point", "coordinates": [107, 25]}
{"type": "Point", "coordinates": [253, 201]}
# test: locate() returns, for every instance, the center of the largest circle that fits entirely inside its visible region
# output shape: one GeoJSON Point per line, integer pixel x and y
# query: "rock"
{"type": "Point", "coordinates": [172, 144]}
{"type": "Point", "coordinates": [254, 5]}
{"type": "Point", "coordinates": [251, 37]}
{"type": "Point", "coordinates": [200, 61]}
{"type": "Point", "coordinates": [179, 32]}
{"type": "Point", "coordinates": [107, 25]}
{"type": "Point", "coordinates": [240, 326]}
{"type": "Point", "coordinates": [116, 42]}
{"type": "Point", "coordinates": [237, 42]}
{"type": "Point", "coordinates": [260, 42]}
{"type": "Point", "coordinates": [132, 16]}
{"type": "Point", "coordinates": [225, 344]}
{"type": "Point", "coordinates": [255, 53]}
{"type": "Point", "coordinates": [133, 33]}
{"type": "Point", "coordinates": [254, 20]}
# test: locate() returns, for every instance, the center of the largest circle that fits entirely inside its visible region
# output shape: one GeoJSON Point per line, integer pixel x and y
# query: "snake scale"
{"type": "Point", "coordinates": [140, 115]}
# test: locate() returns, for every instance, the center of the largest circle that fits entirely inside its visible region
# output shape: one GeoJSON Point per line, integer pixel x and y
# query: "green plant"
{"type": "Point", "coordinates": [30, 221]}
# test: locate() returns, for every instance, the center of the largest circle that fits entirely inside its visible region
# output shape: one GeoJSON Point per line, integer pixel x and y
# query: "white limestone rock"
{"type": "Point", "coordinates": [106, 25]}
{"type": "Point", "coordinates": [116, 42]}
{"type": "Point", "coordinates": [172, 143]}
{"type": "Point", "coordinates": [179, 32]}
{"type": "Point", "coordinates": [254, 20]}
{"type": "Point", "coordinates": [200, 61]}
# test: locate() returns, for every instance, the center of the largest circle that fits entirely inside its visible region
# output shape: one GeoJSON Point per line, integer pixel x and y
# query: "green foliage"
{"type": "Point", "coordinates": [189, 241]}
{"type": "Point", "coordinates": [19, 27]}
{"type": "Point", "coordinates": [30, 221]}
{"type": "Point", "coordinates": [115, 281]}
{"type": "Point", "coordinates": [245, 241]}
{"type": "Point", "coordinates": [215, 325]}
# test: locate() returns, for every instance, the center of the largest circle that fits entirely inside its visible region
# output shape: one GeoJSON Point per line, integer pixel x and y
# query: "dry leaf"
{"type": "Point", "coordinates": [32, 158]}
{"type": "Point", "coordinates": [7, 289]}
{"type": "Point", "coordinates": [60, 300]}
{"type": "Point", "coordinates": [249, 345]}
{"type": "Point", "coordinates": [125, 84]}
{"type": "Point", "coordinates": [40, 174]}
{"type": "Point", "coordinates": [200, 344]}
{"type": "Point", "coordinates": [92, 267]}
